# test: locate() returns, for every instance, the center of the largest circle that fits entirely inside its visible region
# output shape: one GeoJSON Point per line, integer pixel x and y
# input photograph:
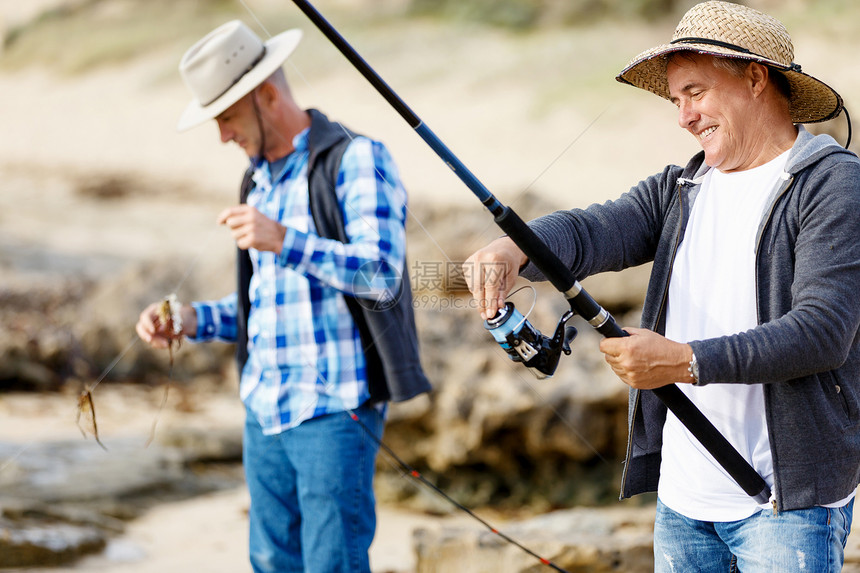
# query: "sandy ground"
{"type": "Point", "coordinates": [55, 130]}
{"type": "Point", "coordinates": [500, 103]}
{"type": "Point", "coordinates": [206, 533]}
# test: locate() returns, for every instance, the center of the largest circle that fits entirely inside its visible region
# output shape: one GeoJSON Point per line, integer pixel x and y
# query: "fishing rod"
{"type": "Point", "coordinates": [521, 341]}
{"type": "Point", "coordinates": [419, 477]}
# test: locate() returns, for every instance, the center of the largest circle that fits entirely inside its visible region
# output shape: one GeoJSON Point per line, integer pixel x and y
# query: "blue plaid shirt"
{"type": "Point", "coordinates": [304, 352]}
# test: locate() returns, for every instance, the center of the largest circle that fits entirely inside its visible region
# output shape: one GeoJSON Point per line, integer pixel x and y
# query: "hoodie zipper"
{"type": "Point", "coordinates": [766, 222]}
{"type": "Point", "coordinates": [681, 183]}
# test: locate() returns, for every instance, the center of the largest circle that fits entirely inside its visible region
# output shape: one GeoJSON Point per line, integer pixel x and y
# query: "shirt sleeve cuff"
{"type": "Point", "coordinates": [293, 251]}
{"type": "Point", "coordinates": [206, 327]}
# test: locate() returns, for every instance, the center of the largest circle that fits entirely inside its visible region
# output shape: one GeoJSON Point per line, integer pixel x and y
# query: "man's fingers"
{"type": "Point", "coordinates": [143, 332]}
{"type": "Point", "coordinates": [610, 346]}
{"type": "Point", "coordinates": [223, 216]}
{"type": "Point", "coordinates": [491, 272]}
{"type": "Point", "coordinates": [485, 285]}
{"type": "Point", "coordinates": [148, 327]}
{"type": "Point", "coordinates": [493, 301]}
{"type": "Point", "coordinates": [233, 216]}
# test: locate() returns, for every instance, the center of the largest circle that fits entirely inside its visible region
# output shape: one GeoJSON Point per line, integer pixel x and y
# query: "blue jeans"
{"type": "Point", "coordinates": [311, 487]}
{"type": "Point", "coordinates": [800, 540]}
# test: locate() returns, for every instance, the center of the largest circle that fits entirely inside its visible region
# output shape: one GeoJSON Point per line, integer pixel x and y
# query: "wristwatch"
{"type": "Point", "coordinates": [694, 369]}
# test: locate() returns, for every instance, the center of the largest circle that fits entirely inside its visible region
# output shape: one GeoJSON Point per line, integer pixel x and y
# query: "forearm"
{"type": "Point", "coordinates": [608, 237]}
{"type": "Point", "coordinates": [368, 269]}
{"type": "Point", "coordinates": [372, 205]}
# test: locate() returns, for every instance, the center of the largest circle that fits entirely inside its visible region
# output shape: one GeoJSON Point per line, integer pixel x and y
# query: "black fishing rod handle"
{"type": "Point", "coordinates": [557, 273]}
{"type": "Point", "coordinates": [707, 434]}
{"type": "Point", "coordinates": [553, 269]}
{"type": "Point", "coordinates": [672, 396]}
{"type": "Point", "coordinates": [716, 444]}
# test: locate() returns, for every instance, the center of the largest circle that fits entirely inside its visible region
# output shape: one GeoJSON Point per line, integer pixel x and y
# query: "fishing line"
{"type": "Point", "coordinates": [560, 155]}
{"type": "Point", "coordinates": [57, 422]}
{"type": "Point", "coordinates": [476, 328]}
{"type": "Point", "coordinates": [113, 363]}
{"type": "Point", "coordinates": [308, 84]}
{"type": "Point", "coordinates": [420, 478]}
{"type": "Point", "coordinates": [551, 164]}
{"type": "Point", "coordinates": [90, 388]}
{"type": "Point", "coordinates": [534, 299]}
{"type": "Point", "coordinates": [136, 338]}
{"type": "Point", "coordinates": [412, 472]}
{"type": "Point", "coordinates": [519, 372]}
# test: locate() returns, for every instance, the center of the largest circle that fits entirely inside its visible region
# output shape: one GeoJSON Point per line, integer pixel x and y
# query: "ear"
{"type": "Point", "coordinates": [758, 76]}
{"type": "Point", "coordinates": [267, 93]}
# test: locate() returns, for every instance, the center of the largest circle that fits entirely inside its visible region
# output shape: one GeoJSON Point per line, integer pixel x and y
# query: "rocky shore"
{"type": "Point", "coordinates": [491, 434]}
{"type": "Point", "coordinates": [105, 209]}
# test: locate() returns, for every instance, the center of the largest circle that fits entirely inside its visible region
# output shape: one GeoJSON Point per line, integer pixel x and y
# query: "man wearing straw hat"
{"type": "Point", "coordinates": [322, 315]}
{"type": "Point", "coordinates": [752, 307]}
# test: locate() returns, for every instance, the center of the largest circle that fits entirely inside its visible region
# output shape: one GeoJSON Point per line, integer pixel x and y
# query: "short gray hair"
{"type": "Point", "coordinates": [737, 67]}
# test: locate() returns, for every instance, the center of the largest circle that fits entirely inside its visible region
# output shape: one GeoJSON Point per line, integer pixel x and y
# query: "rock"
{"type": "Point", "coordinates": [80, 471]}
{"type": "Point", "coordinates": [489, 430]}
{"type": "Point", "coordinates": [494, 433]}
{"type": "Point", "coordinates": [580, 540]}
{"type": "Point", "coordinates": [62, 500]}
{"type": "Point", "coordinates": [205, 445]}
{"type": "Point", "coordinates": [29, 543]}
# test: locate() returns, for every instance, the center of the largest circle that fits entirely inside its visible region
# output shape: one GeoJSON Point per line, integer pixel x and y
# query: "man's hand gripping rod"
{"type": "Point", "coordinates": [553, 269]}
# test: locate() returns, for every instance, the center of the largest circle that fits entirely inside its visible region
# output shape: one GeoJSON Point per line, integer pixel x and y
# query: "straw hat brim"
{"type": "Point", "coordinates": [811, 100]}
{"type": "Point", "coordinates": [278, 49]}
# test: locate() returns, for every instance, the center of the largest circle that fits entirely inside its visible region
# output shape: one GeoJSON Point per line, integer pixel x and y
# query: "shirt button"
{"type": "Point", "coordinates": [210, 329]}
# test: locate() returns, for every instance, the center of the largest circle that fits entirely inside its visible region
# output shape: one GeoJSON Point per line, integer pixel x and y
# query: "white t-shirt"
{"type": "Point", "coordinates": [712, 293]}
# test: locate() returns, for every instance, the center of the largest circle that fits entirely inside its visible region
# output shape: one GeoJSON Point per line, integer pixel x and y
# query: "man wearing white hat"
{"type": "Point", "coordinates": [322, 315]}
{"type": "Point", "coordinates": [752, 307]}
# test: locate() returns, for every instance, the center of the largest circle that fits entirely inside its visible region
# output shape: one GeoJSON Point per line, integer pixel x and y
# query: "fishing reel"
{"type": "Point", "coordinates": [524, 343]}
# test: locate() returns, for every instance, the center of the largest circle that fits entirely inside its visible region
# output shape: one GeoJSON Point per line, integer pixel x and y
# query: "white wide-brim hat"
{"type": "Point", "coordinates": [226, 65]}
{"type": "Point", "coordinates": [736, 31]}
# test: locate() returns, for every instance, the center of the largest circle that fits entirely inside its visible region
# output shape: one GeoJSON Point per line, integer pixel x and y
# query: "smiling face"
{"type": "Point", "coordinates": [721, 109]}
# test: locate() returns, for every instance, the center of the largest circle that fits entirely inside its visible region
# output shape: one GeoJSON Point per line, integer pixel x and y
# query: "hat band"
{"type": "Point", "coordinates": [250, 67]}
{"type": "Point", "coordinates": [693, 40]}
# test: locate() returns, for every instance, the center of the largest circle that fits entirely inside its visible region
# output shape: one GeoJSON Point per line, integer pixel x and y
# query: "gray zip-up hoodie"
{"type": "Point", "coordinates": [806, 347]}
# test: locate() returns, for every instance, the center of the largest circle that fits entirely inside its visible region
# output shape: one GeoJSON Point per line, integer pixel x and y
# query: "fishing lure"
{"type": "Point", "coordinates": [170, 317]}
{"type": "Point", "coordinates": [87, 411]}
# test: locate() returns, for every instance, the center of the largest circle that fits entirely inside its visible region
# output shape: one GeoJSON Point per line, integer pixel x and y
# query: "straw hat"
{"type": "Point", "coordinates": [735, 31]}
{"type": "Point", "coordinates": [227, 64]}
